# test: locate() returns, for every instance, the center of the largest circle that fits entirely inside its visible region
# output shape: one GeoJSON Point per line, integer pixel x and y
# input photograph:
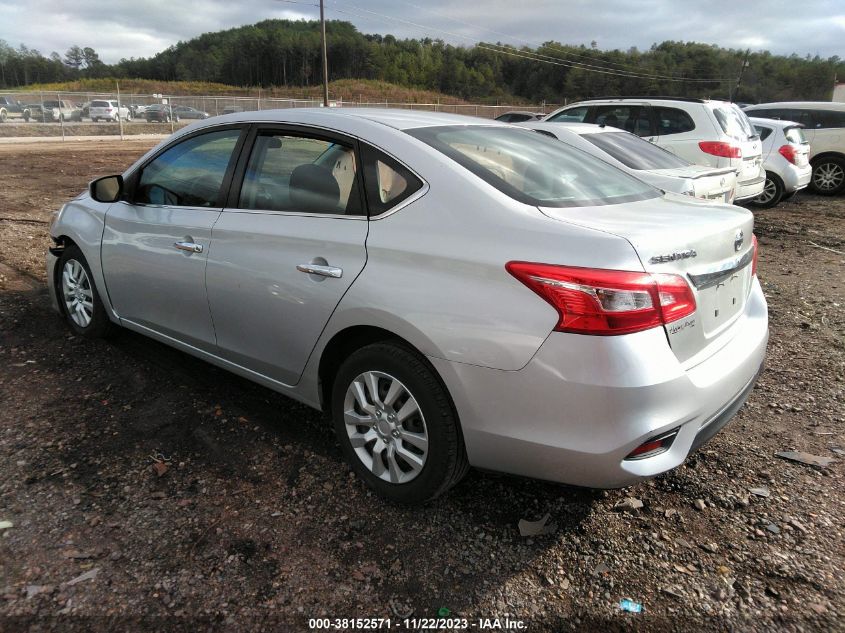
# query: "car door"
{"type": "Point", "coordinates": [156, 243]}
{"type": "Point", "coordinates": [286, 248]}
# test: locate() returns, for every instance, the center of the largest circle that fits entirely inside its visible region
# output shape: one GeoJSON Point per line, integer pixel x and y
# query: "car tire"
{"type": "Point", "coordinates": [772, 192]}
{"type": "Point", "coordinates": [94, 119]}
{"type": "Point", "coordinates": [828, 177]}
{"type": "Point", "coordinates": [409, 461]}
{"type": "Point", "coordinates": [128, 117]}
{"type": "Point", "coordinates": [78, 298]}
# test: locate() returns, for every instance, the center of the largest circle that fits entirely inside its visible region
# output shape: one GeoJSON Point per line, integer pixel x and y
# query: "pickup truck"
{"type": "Point", "coordinates": [10, 109]}
{"type": "Point", "coordinates": [54, 110]}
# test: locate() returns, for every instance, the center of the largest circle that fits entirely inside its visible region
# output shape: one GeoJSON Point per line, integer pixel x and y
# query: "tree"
{"type": "Point", "coordinates": [74, 57]}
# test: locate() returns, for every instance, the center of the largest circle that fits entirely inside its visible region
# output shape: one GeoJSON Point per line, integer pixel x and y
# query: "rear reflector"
{"type": "Point", "coordinates": [756, 248]}
{"type": "Point", "coordinates": [718, 148]}
{"type": "Point", "coordinates": [654, 446]}
{"type": "Point", "coordinates": [788, 152]}
{"type": "Point", "coordinates": [607, 302]}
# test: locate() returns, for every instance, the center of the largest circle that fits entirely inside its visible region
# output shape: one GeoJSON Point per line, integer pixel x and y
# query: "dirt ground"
{"type": "Point", "coordinates": [148, 490]}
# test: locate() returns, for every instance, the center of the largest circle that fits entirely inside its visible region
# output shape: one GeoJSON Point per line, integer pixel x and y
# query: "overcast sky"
{"type": "Point", "coordinates": [141, 28]}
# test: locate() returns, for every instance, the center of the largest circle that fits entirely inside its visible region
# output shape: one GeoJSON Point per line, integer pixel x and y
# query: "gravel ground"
{"type": "Point", "coordinates": [148, 490]}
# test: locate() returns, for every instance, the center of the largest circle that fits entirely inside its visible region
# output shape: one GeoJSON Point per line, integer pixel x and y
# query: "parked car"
{"type": "Point", "coordinates": [644, 160]}
{"type": "Point", "coordinates": [518, 116]}
{"type": "Point", "coordinates": [453, 290]}
{"type": "Point", "coordinates": [786, 157]}
{"type": "Point", "coordinates": [137, 109]}
{"type": "Point", "coordinates": [232, 109]}
{"type": "Point", "coordinates": [109, 110]}
{"type": "Point", "coordinates": [160, 113]}
{"type": "Point", "coordinates": [10, 108]}
{"type": "Point", "coordinates": [187, 112]}
{"type": "Point", "coordinates": [52, 111]}
{"type": "Point", "coordinates": [704, 132]}
{"type": "Point", "coordinates": [824, 130]}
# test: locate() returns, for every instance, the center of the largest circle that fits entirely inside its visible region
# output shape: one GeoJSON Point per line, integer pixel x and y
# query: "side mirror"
{"type": "Point", "coordinates": [106, 189]}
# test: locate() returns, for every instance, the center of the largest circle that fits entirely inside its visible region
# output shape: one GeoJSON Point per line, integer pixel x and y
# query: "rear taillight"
{"type": "Point", "coordinates": [754, 257]}
{"type": "Point", "coordinates": [607, 302]}
{"type": "Point", "coordinates": [654, 446]}
{"type": "Point", "coordinates": [788, 152]}
{"type": "Point", "coordinates": [718, 148]}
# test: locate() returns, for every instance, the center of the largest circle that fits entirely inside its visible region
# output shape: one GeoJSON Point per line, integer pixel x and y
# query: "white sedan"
{"type": "Point", "coordinates": [638, 157]}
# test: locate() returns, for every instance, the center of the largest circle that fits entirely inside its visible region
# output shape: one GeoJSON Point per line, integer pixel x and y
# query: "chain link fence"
{"type": "Point", "coordinates": [62, 114]}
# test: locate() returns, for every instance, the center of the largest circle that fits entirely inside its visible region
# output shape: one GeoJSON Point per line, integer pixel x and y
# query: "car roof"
{"type": "Point", "coordinates": [574, 127]}
{"type": "Point", "coordinates": [781, 123]}
{"type": "Point", "coordinates": [600, 100]}
{"type": "Point", "coordinates": [799, 105]}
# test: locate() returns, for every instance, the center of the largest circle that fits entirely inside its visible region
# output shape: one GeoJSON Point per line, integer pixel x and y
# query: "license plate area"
{"type": "Point", "coordinates": [721, 303]}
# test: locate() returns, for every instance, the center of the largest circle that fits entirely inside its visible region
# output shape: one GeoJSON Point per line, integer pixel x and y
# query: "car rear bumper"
{"type": "Point", "coordinates": [582, 404]}
{"type": "Point", "coordinates": [748, 189]}
{"type": "Point", "coordinates": [795, 178]}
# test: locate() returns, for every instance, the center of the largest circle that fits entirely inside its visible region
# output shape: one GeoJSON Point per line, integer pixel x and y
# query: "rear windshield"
{"type": "Point", "coordinates": [634, 152]}
{"type": "Point", "coordinates": [734, 123]}
{"type": "Point", "coordinates": [533, 168]}
{"type": "Point", "coordinates": [795, 135]}
{"type": "Point", "coordinates": [100, 104]}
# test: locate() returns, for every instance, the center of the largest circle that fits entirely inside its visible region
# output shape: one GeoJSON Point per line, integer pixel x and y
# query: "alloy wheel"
{"type": "Point", "coordinates": [386, 427]}
{"type": "Point", "coordinates": [828, 176]}
{"type": "Point", "coordinates": [769, 192]}
{"type": "Point", "coordinates": [77, 293]}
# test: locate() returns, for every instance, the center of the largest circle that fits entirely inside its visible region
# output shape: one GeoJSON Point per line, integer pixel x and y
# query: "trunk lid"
{"type": "Point", "coordinates": [709, 245]}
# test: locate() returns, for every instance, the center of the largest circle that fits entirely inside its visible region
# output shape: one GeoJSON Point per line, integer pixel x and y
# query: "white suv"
{"type": "Point", "coordinates": [108, 111]}
{"type": "Point", "coordinates": [712, 133]}
{"type": "Point", "coordinates": [824, 129]}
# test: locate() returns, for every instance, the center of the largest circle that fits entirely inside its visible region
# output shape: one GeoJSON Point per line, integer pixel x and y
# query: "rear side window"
{"type": "Point", "coordinates": [829, 118]}
{"type": "Point", "coordinates": [673, 121]}
{"type": "Point", "coordinates": [387, 181]}
{"type": "Point", "coordinates": [533, 168]}
{"type": "Point", "coordinates": [572, 115]}
{"type": "Point", "coordinates": [795, 135]}
{"type": "Point", "coordinates": [301, 174]}
{"type": "Point", "coordinates": [189, 174]}
{"type": "Point", "coordinates": [764, 132]}
{"type": "Point", "coordinates": [634, 152]}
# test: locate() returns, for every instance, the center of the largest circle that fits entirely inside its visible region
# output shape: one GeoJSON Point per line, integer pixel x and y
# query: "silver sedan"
{"type": "Point", "coordinates": [453, 291]}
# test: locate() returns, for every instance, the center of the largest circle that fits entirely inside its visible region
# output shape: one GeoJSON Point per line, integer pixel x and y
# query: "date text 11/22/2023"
{"type": "Point", "coordinates": [416, 624]}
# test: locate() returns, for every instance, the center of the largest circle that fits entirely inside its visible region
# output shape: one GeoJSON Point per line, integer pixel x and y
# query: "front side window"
{"type": "Point", "coordinates": [673, 121]}
{"type": "Point", "coordinates": [189, 174]}
{"type": "Point", "coordinates": [634, 152]}
{"type": "Point", "coordinates": [533, 168]}
{"type": "Point", "coordinates": [572, 115]}
{"type": "Point", "coordinates": [301, 174]}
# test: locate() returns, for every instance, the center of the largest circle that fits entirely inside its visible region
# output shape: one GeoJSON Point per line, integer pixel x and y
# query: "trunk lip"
{"type": "Point", "coordinates": [708, 279]}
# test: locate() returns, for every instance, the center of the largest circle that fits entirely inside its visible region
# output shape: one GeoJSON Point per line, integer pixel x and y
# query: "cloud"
{"type": "Point", "coordinates": [142, 28]}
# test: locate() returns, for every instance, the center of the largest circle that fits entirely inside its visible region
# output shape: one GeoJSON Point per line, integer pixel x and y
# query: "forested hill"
{"type": "Point", "coordinates": [287, 53]}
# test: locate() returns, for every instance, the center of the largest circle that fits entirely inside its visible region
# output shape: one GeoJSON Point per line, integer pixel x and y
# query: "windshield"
{"type": "Point", "coordinates": [534, 169]}
{"type": "Point", "coordinates": [634, 152]}
{"type": "Point", "coordinates": [734, 123]}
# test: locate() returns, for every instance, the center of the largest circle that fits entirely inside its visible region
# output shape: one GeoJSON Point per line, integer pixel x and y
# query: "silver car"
{"type": "Point", "coordinates": [453, 291]}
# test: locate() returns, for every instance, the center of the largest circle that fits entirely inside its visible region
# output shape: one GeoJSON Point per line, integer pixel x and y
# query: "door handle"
{"type": "Point", "coordinates": [188, 246]}
{"type": "Point", "coordinates": [323, 271]}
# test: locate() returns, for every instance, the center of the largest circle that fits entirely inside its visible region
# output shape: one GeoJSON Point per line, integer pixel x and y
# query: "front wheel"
{"type": "Point", "coordinates": [78, 298]}
{"type": "Point", "coordinates": [396, 424]}
{"type": "Point", "coordinates": [772, 192]}
{"type": "Point", "coordinates": [828, 177]}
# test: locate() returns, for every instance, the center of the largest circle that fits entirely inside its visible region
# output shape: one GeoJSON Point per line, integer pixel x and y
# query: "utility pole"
{"type": "Point", "coordinates": [741, 72]}
{"type": "Point", "coordinates": [325, 57]}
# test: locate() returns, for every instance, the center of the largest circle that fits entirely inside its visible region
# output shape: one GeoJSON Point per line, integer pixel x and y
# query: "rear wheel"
{"type": "Point", "coordinates": [772, 192]}
{"type": "Point", "coordinates": [828, 177]}
{"type": "Point", "coordinates": [78, 297]}
{"type": "Point", "coordinates": [396, 424]}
